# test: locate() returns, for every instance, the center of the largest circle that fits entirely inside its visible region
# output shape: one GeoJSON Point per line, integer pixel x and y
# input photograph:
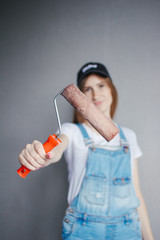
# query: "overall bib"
{"type": "Point", "coordinates": [106, 206]}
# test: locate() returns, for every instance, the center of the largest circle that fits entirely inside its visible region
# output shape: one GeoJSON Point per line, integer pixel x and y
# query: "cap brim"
{"type": "Point", "coordinates": [95, 71]}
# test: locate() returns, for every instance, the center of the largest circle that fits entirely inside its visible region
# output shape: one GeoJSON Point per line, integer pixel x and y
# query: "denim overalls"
{"type": "Point", "coordinates": [105, 207]}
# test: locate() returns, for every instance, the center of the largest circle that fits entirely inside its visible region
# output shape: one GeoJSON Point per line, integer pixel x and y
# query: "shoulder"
{"type": "Point", "coordinates": [132, 139]}
{"type": "Point", "coordinates": [129, 134]}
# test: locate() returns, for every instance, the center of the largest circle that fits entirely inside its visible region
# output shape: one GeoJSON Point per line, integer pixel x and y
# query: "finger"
{"type": "Point", "coordinates": [25, 163]}
{"type": "Point", "coordinates": [31, 159]}
{"type": "Point", "coordinates": [39, 149]}
{"type": "Point", "coordinates": [49, 155]}
{"type": "Point", "coordinates": [34, 155]}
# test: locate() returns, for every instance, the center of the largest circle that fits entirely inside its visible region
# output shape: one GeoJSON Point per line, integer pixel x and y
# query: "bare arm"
{"type": "Point", "coordinates": [146, 228]}
{"type": "Point", "coordinates": [34, 157]}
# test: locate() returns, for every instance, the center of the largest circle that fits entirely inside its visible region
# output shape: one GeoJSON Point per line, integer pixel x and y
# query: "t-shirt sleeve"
{"type": "Point", "coordinates": [67, 129]}
{"type": "Point", "coordinates": [137, 153]}
{"type": "Point", "coordinates": [71, 131]}
{"type": "Point", "coordinates": [75, 139]}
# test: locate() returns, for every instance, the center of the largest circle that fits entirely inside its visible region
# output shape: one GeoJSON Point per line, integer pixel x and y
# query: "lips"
{"type": "Point", "coordinates": [98, 103]}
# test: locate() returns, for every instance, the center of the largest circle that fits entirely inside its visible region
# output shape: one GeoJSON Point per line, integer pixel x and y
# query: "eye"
{"type": "Point", "coordinates": [101, 85]}
{"type": "Point", "coordinates": [87, 89]}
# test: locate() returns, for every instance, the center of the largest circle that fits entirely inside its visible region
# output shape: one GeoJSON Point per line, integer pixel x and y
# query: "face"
{"type": "Point", "coordinates": [98, 91]}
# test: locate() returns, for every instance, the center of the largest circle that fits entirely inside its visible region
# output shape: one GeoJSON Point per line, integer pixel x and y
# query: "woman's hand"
{"type": "Point", "coordinates": [34, 157]}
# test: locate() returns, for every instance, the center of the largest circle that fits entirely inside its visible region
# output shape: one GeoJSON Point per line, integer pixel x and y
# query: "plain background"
{"type": "Point", "coordinates": [43, 44]}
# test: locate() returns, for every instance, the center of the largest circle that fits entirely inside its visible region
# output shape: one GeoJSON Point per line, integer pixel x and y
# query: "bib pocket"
{"type": "Point", "coordinates": [122, 187]}
{"type": "Point", "coordinates": [94, 189]}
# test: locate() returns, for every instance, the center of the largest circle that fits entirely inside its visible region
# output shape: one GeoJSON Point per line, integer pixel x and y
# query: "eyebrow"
{"type": "Point", "coordinates": [101, 82]}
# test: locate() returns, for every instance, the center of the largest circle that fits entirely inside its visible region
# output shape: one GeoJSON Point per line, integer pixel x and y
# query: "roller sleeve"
{"type": "Point", "coordinates": [90, 112]}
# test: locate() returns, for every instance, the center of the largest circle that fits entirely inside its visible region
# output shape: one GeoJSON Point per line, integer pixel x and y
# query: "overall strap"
{"type": "Point", "coordinates": [123, 141]}
{"type": "Point", "coordinates": [122, 136]}
{"type": "Point", "coordinates": [87, 139]}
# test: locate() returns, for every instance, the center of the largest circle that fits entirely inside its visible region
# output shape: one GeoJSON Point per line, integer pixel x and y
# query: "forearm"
{"type": "Point", "coordinates": [61, 147]}
{"type": "Point", "coordinates": [146, 228]}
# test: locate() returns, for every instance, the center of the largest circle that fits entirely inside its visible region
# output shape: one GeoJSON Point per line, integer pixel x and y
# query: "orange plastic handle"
{"type": "Point", "coordinates": [48, 146]}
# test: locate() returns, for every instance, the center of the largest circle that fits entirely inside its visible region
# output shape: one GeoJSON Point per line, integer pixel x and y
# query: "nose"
{"type": "Point", "coordinates": [95, 94]}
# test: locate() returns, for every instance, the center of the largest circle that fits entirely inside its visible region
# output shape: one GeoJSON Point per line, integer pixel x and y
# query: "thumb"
{"type": "Point", "coordinates": [49, 155]}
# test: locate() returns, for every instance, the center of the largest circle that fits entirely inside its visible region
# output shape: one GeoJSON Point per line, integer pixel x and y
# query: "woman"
{"type": "Point", "coordinates": [105, 200]}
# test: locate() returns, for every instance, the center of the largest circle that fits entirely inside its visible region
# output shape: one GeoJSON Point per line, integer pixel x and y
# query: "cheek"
{"type": "Point", "coordinates": [88, 94]}
{"type": "Point", "coordinates": [108, 97]}
{"type": "Point", "coordinates": [109, 102]}
{"type": "Point", "coordinates": [111, 99]}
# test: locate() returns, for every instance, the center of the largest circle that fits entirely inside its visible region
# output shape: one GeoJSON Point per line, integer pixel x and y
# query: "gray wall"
{"type": "Point", "coordinates": [43, 44]}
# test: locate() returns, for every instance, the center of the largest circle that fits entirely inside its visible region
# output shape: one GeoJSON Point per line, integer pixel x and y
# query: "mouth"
{"type": "Point", "coordinates": [98, 103]}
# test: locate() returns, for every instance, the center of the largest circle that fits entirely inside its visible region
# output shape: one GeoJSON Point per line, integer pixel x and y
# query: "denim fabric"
{"type": "Point", "coordinates": [80, 226]}
{"type": "Point", "coordinates": [106, 203]}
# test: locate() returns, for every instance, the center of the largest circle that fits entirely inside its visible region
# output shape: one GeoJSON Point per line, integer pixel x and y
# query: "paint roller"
{"type": "Point", "coordinates": [88, 110]}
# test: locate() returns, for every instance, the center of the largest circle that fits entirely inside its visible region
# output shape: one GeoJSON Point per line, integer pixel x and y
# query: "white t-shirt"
{"type": "Point", "coordinates": [77, 152]}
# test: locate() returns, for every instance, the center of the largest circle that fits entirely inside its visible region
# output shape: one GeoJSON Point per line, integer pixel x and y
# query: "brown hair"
{"type": "Point", "coordinates": [77, 118]}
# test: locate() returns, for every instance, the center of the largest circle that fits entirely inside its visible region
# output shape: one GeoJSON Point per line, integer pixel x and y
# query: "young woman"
{"type": "Point", "coordinates": [105, 200]}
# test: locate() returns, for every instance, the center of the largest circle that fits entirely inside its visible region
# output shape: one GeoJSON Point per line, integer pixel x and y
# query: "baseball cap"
{"type": "Point", "coordinates": [92, 67]}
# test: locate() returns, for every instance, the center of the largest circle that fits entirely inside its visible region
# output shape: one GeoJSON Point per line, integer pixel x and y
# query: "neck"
{"type": "Point", "coordinates": [107, 114]}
